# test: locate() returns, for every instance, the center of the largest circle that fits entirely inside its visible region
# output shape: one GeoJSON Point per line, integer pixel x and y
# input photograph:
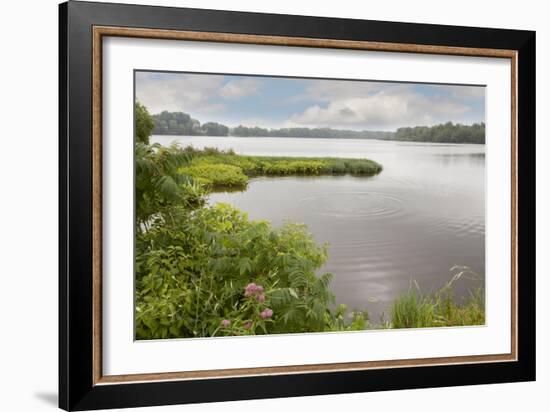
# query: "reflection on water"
{"type": "Point", "coordinates": [423, 214]}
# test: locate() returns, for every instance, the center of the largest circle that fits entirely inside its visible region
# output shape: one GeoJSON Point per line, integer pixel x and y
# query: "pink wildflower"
{"type": "Point", "coordinates": [254, 290]}
{"type": "Point", "coordinates": [226, 323]}
{"type": "Point", "coordinates": [266, 313]}
{"type": "Point", "coordinates": [247, 325]}
{"type": "Point", "coordinates": [250, 289]}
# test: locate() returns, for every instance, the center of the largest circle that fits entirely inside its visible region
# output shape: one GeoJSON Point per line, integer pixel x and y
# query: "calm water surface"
{"type": "Point", "coordinates": [423, 214]}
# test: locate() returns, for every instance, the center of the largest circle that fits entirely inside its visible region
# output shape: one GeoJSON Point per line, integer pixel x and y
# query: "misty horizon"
{"type": "Point", "coordinates": [281, 102]}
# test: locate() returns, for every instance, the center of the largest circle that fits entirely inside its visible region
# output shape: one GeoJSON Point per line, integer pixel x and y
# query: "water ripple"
{"type": "Point", "coordinates": [459, 226]}
{"type": "Point", "coordinates": [354, 204]}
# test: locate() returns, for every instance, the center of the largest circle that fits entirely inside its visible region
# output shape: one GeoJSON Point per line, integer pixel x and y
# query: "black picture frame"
{"type": "Point", "coordinates": [77, 390]}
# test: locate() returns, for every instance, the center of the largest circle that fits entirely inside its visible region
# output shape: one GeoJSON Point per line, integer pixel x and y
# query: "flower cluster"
{"type": "Point", "coordinates": [266, 313]}
{"type": "Point", "coordinates": [226, 323]}
{"type": "Point", "coordinates": [256, 291]}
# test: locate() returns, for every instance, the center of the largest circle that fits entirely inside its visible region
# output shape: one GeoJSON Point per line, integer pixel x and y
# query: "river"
{"type": "Point", "coordinates": [422, 215]}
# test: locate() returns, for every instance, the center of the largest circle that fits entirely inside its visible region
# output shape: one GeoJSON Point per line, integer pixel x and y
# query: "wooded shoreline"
{"type": "Point", "coordinates": [182, 124]}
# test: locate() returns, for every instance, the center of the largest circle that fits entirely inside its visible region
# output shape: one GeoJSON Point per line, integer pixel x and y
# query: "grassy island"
{"type": "Point", "coordinates": [225, 169]}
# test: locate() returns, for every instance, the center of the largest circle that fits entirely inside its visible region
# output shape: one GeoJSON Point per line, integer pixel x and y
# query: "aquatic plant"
{"type": "Point", "coordinates": [216, 175]}
{"type": "Point", "coordinates": [415, 310]}
{"type": "Point", "coordinates": [225, 169]}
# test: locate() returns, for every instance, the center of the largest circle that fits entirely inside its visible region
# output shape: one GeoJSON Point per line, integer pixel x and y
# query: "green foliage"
{"type": "Point", "coordinates": [217, 175]}
{"type": "Point", "coordinates": [293, 167]}
{"type": "Point", "coordinates": [144, 123]}
{"type": "Point", "coordinates": [159, 184]}
{"type": "Point", "coordinates": [192, 274]}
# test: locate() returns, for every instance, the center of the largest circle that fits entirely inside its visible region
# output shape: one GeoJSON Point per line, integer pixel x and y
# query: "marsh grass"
{"type": "Point", "coordinates": [412, 310]}
{"type": "Point", "coordinates": [217, 175]}
{"type": "Point", "coordinates": [225, 169]}
{"type": "Point", "coordinates": [417, 310]}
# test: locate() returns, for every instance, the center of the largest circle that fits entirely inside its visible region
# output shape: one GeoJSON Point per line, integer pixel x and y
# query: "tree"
{"type": "Point", "coordinates": [214, 129]}
{"type": "Point", "coordinates": [182, 124]}
{"type": "Point", "coordinates": [144, 124]}
{"type": "Point", "coordinates": [176, 123]}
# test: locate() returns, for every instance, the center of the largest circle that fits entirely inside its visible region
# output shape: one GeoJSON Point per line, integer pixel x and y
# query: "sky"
{"type": "Point", "coordinates": [276, 102]}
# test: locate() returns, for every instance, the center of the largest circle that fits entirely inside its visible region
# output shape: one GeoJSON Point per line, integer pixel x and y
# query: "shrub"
{"type": "Point", "coordinates": [192, 277]}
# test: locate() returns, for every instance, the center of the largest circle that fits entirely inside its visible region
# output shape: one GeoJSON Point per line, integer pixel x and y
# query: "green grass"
{"type": "Point", "coordinates": [415, 310]}
{"type": "Point", "coordinates": [217, 175]}
{"type": "Point", "coordinates": [225, 169]}
{"type": "Point", "coordinates": [412, 310]}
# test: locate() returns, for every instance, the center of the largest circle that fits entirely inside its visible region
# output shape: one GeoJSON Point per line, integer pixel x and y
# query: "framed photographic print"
{"type": "Point", "coordinates": [257, 205]}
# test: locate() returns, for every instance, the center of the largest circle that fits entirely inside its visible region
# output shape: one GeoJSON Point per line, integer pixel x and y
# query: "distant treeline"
{"type": "Point", "coordinates": [178, 123]}
{"type": "Point", "coordinates": [443, 133]}
{"type": "Point", "coordinates": [325, 133]}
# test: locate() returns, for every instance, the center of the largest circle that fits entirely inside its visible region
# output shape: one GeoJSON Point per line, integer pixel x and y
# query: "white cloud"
{"type": "Point", "coordinates": [384, 106]}
{"type": "Point", "coordinates": [468, 92]}
{"type": "Point", "coordinates": [236, 89]}
{"type": "Point", "coordinates": [178, 92]}
{"type": "Point", "coordinates": [329, 90]}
